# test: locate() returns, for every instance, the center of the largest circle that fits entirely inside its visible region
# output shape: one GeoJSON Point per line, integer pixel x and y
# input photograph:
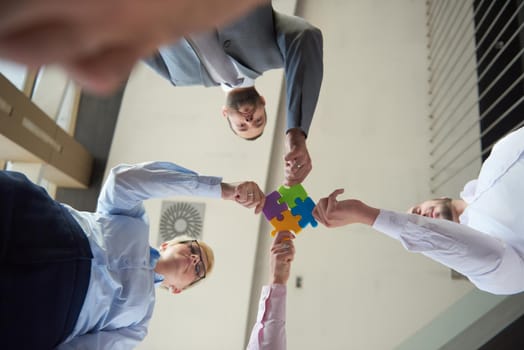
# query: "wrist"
{"type": "Point", "coordinates": [295, 135]}
{"type": "Point", "coordinates": [277, 280]}
{"type": "Point", "coordinates": [368, 215]}
{"type": "Point", "coordinates": [228, 191]}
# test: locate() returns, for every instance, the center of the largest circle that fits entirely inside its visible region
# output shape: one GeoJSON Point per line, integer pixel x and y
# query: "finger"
{"type": "Point", "coordinates": [332, 200]}
{"type": "Point", "coordinates": [241, 194]}
{"type": "Point", "coordinates": [316, 213]}
{"type": "Point", "coordinates": [283, 250]}
{"type": "Point", "coordinates": [284, 257]}
{"type": "Point", "coordinates": [285, 244]}
{"type": "Point", "coordinates": [53, 41]}
{"type": "Point", "coordinates": [260, 204]}
{"type": "Point", "coordinates": [333, 196]}
{"type": "Point", "coordinates": [298, 175]}
{"type": "Point", "coordinates": [320, 211]}
{"type": "Point", "coordinates": [319, 214]}
{"type": "Point", "coordinates": [283, 235]}
{"type": "Point", "coordinates": [16, 15]}
{"type": "Point", "coordinates": [247, 194]}
{"type": "Point", "coordinates": [295, 162]}
{"type": "Point", "coordinates": [291, 155]}
{"type": "Point", "coordinates": [105, 71]}
{"type": "Point", "coordinates": [246, 203]}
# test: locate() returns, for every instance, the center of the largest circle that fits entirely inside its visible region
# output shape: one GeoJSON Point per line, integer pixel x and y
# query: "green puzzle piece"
{"type": "Point", "coordinates": [289, 194]}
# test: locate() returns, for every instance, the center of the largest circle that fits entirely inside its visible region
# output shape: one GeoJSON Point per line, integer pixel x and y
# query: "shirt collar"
{"type": "Point", "coordinates": [242, 83]}
{"type": "Point", "coordinates": [154, 255]}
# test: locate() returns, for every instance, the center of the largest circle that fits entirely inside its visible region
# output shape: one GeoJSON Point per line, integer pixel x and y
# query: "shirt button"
{"type": "Point", "coordinates": [227, 43]}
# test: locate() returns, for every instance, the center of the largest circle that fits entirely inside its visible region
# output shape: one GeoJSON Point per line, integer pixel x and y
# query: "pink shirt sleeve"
{"type": "Point", "coordinates": [269, 331]}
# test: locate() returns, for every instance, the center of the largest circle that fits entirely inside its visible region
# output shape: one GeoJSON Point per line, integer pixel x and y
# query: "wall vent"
{"type": "Point", "coordinates": [181, 218]}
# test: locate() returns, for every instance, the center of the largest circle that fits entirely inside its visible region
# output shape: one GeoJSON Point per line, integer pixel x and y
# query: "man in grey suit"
{"type": "Point", "coordinates": [234, 56]}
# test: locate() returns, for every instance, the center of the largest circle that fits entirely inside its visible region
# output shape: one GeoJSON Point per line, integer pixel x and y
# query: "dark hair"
{"type": "Point", "coordinates": [445, 210]}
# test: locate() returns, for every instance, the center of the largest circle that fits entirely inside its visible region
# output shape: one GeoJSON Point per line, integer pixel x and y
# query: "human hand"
{"type": "Point", "coordinates": [282, 254]}
{"type": "Point", "coordinates": [297, 161]}
{"type": "Point", "coordinates": [99, 41]}
{"type": "Point", "coordinates": [247, 194]}
{"type": "Point", "coordinates": [333, 213]}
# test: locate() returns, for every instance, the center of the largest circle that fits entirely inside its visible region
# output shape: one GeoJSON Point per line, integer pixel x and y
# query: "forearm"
{"type": "Point", "coordinates": [366, 214]}
{"type": "Point", "coordinates": [301, 45]}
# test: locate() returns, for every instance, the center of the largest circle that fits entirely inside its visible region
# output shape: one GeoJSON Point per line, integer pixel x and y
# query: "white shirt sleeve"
{"type": "Point", "coordinates": [128, 185]}
{"type": "Point", "coordinates": [489, 263]}
{"type": "Point", "coordinates": [269, 331]}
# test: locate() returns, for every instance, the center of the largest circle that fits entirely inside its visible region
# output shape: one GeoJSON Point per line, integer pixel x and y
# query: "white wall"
{"type": "Point", "coordinates": [361, 290]}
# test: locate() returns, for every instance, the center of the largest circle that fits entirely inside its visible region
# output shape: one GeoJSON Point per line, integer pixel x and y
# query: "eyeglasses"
{"type": "Point", "coordinates": [200, 268]}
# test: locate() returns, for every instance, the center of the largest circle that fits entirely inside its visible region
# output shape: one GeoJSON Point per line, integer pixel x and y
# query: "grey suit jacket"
{"type": "Point", "coordinates": [260, 41]}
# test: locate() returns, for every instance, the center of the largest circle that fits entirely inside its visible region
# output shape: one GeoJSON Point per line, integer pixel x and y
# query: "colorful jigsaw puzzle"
{"type": "Point", "coordinates": [289, 208]}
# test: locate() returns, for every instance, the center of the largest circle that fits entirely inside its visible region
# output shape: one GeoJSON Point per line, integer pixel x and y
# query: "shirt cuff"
{"type": "Point", "coordinates": [297, 127]}
{"type": "Point", "coordinates": [209, 186]}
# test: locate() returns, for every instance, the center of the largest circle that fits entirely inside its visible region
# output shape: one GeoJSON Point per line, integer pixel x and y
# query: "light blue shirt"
{"type": "Point", "coordinates": [121, 294]}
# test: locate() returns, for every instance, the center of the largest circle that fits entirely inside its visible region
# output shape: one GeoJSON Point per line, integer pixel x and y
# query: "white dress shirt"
{"type": "Point", "coordinates": [221, 67]}
{"type": "Point", "coordinates": [121, 294]}
{"type": "Point", "coordinates": [488, 244]}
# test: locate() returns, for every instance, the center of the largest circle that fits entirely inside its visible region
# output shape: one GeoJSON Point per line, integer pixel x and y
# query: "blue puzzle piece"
{"type": "Point", "coordinates": [304, 208]}
{"type": "Point", "coordinates": [272, 208]}
{"type": "Point", "coordinates": [289, 194]}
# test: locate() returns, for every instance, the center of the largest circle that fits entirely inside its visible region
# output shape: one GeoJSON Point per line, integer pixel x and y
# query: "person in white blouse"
{"type": "Point", "coordinates": [480, 235]}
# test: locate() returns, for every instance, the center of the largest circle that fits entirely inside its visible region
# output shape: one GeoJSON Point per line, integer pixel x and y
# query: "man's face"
{"type": "Point", "coordinates": [440, 208]}
{"type": "Point", "coordinates": [245, 112]}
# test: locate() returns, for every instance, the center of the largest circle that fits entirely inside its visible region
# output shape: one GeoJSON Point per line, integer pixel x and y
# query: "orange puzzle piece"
{"type": "Point", "coordinates": [289, 223]}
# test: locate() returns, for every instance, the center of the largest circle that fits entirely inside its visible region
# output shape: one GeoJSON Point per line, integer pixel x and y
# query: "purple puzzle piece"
{"type": "Point", "coordinates": [273, 209]}
{"type": "Point", "coordinates": [304, 208]}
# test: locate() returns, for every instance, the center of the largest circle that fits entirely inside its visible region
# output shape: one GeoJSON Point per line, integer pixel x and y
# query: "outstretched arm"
{"type": "Point", "coordinates": [301, 45]}
{"type": "Point", "coordinates": [488, 262]}
{"type": "Point", "coordinates": [129, 185]}
{"type": "Point", "coordinates": [269, 331]}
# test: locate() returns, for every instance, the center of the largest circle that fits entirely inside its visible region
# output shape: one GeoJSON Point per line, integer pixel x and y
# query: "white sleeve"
{"type": "Point", "coordinates": [489, 263]}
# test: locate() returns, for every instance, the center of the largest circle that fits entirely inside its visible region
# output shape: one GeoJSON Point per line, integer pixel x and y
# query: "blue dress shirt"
{"type": "Point", "coordinates": [121, 294]}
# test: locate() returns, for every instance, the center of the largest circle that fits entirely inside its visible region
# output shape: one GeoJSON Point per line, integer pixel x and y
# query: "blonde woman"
{"type": "Point", "coordinates": [94, 274]}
